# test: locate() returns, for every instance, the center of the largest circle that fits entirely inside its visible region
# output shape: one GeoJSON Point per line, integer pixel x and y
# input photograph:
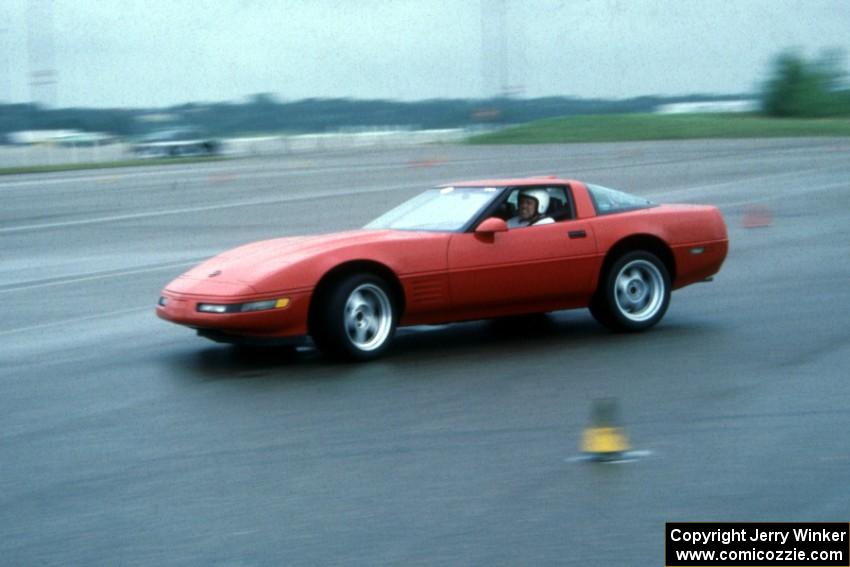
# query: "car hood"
{"type": "Point", "coordinates": [248, 269]}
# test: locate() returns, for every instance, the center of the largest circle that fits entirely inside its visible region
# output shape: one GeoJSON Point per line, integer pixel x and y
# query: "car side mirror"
{"type": "Point", "coordinates": [491, 225]}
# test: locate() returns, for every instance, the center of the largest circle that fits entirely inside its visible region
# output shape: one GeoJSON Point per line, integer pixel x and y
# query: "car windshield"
{"type": "Point", "coordinates": [442, 209]}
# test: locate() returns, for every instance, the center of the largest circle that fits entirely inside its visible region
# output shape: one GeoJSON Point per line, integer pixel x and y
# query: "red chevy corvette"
{"type": "Point", "coordinates": [471, 250]}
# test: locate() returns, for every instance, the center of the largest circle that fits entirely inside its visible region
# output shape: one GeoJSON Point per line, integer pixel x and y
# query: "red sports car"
{"type": "Point", "coordinates": [471, 250]}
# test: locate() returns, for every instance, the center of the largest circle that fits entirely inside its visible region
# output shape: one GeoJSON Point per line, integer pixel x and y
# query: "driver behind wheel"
{"type": "Point", "coordinates": [532, 208]}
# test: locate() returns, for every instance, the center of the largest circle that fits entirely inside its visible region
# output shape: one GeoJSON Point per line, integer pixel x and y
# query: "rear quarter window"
{"type": "Point", "coordinates": [607, 201]}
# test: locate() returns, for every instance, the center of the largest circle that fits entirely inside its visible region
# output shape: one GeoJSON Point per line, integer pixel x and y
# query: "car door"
{"type": "Point", "coordinates": [541, 267]}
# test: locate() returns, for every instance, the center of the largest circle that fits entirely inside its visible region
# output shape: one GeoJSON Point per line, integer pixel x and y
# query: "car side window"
{"type": "Point", "coordinates": [607, 201]}
{"type": "Point", "coordinates": [559, 205]}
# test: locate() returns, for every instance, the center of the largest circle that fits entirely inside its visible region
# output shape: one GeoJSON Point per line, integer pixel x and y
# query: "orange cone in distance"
{"type": "Point", "coordinates": [757, 216]}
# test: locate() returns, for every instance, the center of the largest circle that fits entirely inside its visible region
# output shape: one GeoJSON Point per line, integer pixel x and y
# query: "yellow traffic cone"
{"type": "Point", "coordinates": [604, 440]}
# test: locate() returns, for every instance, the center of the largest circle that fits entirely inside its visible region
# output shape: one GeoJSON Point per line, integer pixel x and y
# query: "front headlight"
{"type": "Point", "coordinates": [215, 308]}
{"type": "Point", "coordinates": [263, 305]}
{"type": "Point", "coordinates": [163, 301]}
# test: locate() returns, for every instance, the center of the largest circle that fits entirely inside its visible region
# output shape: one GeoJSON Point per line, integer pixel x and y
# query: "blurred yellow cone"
{"type": "Point", "coordinates": [604, 440]}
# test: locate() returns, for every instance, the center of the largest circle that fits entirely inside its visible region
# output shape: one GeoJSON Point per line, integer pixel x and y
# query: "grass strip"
{"type": "Point", "coordinates": [637, 127]}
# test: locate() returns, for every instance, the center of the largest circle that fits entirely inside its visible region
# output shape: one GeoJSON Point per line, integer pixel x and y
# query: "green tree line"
{"type": "Point", "coordinates": [263, 113]}
{"type": "Point", "coordinates": [796, 87]}
{"type": "Point", "coordinates": [807, 88]}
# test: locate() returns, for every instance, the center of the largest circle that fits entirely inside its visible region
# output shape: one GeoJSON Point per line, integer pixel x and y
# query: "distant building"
{"type": "Point", "coordinates": [744, 105]}
{"type": "Point", "coordinates": [176, 142]}
{"type": "Point", "coordinates": [62, 137]}
{"type": "Point", "coordinates": [26, 137]}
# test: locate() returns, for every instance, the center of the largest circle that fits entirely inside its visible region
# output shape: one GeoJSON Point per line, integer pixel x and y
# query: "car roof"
{"type": "Point", "coordinates": [524, 181]}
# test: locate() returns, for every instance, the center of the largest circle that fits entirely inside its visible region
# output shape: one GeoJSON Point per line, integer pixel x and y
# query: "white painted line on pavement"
{"type": "Point", "coordinates": [344, 192]}
{"type": "Point", "coordinates": [186, 210]}
{"type": "Point", "coordinates": [106, 274]}
{"type": "Point", "coordinates": [223, 206]}
{"type": "Point", "coordinates": [76, 320]}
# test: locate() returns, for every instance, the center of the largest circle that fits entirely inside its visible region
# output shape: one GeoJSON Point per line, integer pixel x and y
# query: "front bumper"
{"type": "Point", "coordinates": [291, 321]}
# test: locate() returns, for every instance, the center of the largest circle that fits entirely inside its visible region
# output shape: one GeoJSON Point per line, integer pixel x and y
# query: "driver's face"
{"type": "Point", "coordinates": [527, 207]}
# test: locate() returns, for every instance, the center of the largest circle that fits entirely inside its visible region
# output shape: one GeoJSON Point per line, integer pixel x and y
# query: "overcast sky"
{"type": "Point", "coordinates": [149, 53]}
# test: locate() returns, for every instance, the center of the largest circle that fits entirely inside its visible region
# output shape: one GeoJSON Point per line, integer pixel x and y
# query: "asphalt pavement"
{"type": "Point", "coordinates": [125, 440]}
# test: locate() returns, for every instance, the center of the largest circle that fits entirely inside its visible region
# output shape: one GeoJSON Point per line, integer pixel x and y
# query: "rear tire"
{"type": "Point", "coordinates": [356, 319]}
{"type": "Point", "coordinates": [633, 294]}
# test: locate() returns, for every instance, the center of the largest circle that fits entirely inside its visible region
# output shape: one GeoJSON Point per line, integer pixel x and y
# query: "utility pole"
{"type": "Point", "coordinates": [498, 40]}
{"type": "Point", "coordinates": [5, 75]}
{"type": "Point", "coordinates": [502, 35]}
{"type": "Point", "coordinates": [43, 79]}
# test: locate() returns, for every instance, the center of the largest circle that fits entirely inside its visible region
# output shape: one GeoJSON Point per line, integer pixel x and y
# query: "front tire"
{"type": "Point", "coordinates": [357, 318]}
{"type": "Point", "coordinates": [634, 293]}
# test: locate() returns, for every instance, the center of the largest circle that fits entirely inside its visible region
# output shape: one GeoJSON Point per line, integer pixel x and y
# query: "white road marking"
{"type": "Point", "coordinates": [804, 190]}
{"type": "Point", "coordinates": [251, 173]}
{"type": "Point", "coordinates": [107, 274]}
{"type": "Point", "coordinates": [343, 192]}
{"type": "Point", "coordinates": [186, 210]}
{"type": "Point", "coordinates": [756, 178]}
{"type": "Point", "coordinates": [222, 206]}
{"type": "Point", "coordinates": [75, 320]}
{"type": "Point", "coordinates": [64, 280]}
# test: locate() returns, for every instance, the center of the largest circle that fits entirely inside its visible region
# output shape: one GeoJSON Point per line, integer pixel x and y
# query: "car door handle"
{"type": "Point", "coordinates": [577, 234]}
